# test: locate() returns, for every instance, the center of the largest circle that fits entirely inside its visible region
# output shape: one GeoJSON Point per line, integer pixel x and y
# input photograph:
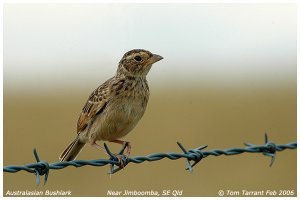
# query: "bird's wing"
{"type": "Point", "coordinates": [95, 105]}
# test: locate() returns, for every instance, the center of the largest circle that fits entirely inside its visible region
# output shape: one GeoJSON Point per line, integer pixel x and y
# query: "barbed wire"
{"type": "Point", "coordinates": [41, 168]}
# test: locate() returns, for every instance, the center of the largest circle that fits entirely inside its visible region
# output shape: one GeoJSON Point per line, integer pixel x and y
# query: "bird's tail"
{"type": "Point", "coordinates": [72, 150]}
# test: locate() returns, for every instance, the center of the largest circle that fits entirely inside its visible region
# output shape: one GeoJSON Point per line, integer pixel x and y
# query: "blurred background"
{"type": "Point", "coordinates": [228, 75]}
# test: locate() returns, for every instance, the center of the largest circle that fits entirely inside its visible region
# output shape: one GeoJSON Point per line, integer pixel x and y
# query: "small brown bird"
{"type": "Point", "coordinates": [116, 106]}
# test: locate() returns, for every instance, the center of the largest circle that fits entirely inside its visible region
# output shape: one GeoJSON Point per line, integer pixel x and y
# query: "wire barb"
{"type": "Point", "coordinates": [41, 168]}
{"type": "Point", "coordinates": [196, 155]}
{"type": "Point", "coordinates": [268, 149]}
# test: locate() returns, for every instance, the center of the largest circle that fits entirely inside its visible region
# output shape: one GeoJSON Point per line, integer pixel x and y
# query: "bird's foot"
{"type": "Point", "coordinates": [120, 157]}
{"type": "Point", "coordinates": [122, 160]}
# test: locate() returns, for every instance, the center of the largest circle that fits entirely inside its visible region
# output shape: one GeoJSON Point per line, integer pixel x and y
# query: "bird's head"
{"type": "Point", "coordinates": [137, 62]}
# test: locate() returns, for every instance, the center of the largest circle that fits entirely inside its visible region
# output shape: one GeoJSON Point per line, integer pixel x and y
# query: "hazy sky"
{"type": "Point", "coordinates": [81, 44]}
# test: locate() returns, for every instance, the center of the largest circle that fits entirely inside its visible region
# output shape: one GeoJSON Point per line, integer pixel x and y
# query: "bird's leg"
{"type": "Point", "coordinates": [99, 147]}
{"type": "Point", "coordinates": [103, 149]}
{"type": "Point", "coordinates": [123, 143]}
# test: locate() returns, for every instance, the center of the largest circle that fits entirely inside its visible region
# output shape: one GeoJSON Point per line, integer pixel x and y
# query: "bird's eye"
{"type": "Point", "coordinates": [138, 58]}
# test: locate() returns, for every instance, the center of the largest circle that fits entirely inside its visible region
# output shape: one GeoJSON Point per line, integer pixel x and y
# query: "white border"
{"type": "Point", "coordinates": [150, 1]}
{"type": "Point", "coordinates": [142, 1]}
{"type": "Point", "coordinates": [298, 101]}
{"type": "Point", "coordinates": [1, 96]}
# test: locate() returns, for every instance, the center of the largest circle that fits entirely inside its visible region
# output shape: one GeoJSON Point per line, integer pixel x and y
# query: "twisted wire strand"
{"type": "Point", "coordinates": [41, 168]}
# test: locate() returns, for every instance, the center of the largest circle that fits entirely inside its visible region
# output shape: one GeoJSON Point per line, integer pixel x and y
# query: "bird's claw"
{"type": "Point", "coordinates": [122, 162]}
{"type": "Point", "coordinates": [121, 159]}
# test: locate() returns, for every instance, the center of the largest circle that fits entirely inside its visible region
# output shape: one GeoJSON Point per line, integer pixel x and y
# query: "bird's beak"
{"type": "Point", "coordinates": [154, 58]}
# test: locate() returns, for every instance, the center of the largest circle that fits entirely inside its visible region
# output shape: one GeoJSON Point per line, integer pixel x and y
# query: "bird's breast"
{"type": "Point", "coordinates": [123, 110]}
{"type": "Point", "coordinates": [121, 117]}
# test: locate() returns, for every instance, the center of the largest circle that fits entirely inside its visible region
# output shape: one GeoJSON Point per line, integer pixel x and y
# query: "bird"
{"type": "Point", "coordinates": [115, 107]}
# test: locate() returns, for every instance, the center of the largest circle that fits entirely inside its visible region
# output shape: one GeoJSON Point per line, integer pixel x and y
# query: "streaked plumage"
{"type": "Point", "coordinates": [116, 106]}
